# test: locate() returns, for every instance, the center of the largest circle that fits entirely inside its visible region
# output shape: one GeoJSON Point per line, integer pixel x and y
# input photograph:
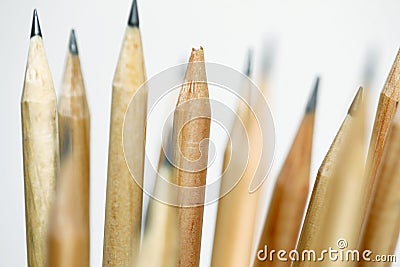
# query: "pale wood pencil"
{"type": "Point", "coordinates": [122, 230]}
{"type": "Point", "coordinates": [161, 231]}
{"type": "Point", "coordinates": [69, 234]}
{"type": "Point", "coordinates": [387, 107]}
{"type": "Point", "coordinates": [383, 224]}
{"type": "Point", "coordinates": [342, 217]}
{"type": "Point", "coordinates": [190, 138]}
{"type": "Point", "coordinates": [237, 210]}
{"type": "Point", "coordinates": [40, 147]}
{"type": "Point", "coordinates": [318, 202]}
{"type": "Point", "coordinates": [290, 194]}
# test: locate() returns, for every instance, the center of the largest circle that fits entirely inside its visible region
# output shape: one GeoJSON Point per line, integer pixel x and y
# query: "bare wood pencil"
{"type": "Point", "coordinates": [383, 224]}
{"type": "Point", "coordinates": [237, 210]}
{"type": "Point", "coordinates": [342, 218]}
{"type": "Point", "coordinates": [289, 198]}
{"type": "Point", "coordinates": [161, 231]}
{"type": "Point", "coordinates": [318, 202]}
{"type": "Point", "coordinates": [69, 234]}
{"type": "Point", "coordinates": [122, 230]}
{"type": "Point", "coordinates": [387, 107]}
{"type": "Point", "coordinates": [190, 133]}
{"type": "Point", "coordinates": [40, 147]}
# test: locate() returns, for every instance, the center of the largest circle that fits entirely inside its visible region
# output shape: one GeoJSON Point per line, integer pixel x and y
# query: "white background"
{"type": "Point", "coordinates": [330, 38]}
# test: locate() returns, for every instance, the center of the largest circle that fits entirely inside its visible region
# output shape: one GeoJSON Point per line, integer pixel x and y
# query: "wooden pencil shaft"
{"type": "Point", "coordinates": [289, 198]}
{"type": "Point", "coordinates": [234, 232]}
{"type": "Point", "coordinates": [313, 220]}
{"type": "Point", "coordinates": [122, 231]}
{"type": "Point", "coordinates": [40, 150]}
{"type": "Point", "coordinates": [190, 134]}
{"type": "Point", "coordinates": [69, 237]}
{"type": "Point", "coordinates": [383, 224]}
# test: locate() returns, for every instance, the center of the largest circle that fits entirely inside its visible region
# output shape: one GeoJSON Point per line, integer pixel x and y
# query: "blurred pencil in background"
{"type": "Point", "coordinates": [69, 235]}
{"type": "Point", "coordinates": [40, 147]}
{"type": "Point", "coordinates": [122, 229]}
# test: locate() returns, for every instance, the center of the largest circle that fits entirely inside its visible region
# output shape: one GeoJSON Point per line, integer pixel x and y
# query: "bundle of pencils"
{"type": "Point", "coordinates": [355, 198]}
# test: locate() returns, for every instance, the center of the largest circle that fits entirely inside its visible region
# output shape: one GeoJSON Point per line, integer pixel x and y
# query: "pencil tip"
{"type": "Point", "coordinates": [133, 16]}
{"type": "Point", "coordinates": [249, 66]}
{"type": "Point", "coordinates": [73, 46]}
{"type": "Point", "coordinates": [35, 31]}
{"type": "Point", "coordinates": [356, 101]}
{"type": "Point", "coordinates": [312, 102]}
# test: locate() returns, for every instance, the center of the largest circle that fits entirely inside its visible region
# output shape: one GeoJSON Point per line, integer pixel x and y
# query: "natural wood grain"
{"type": "Point", "coordinates": [318, 203]}
{"type": "Point", "coordinates": [40, 147]}
{"type": "Point", "coordinates": [383, 224]}
{"type": "Point", "coordinates": [122, 230]}
{"type": "Point", "coordinates": [69, 236]}
{"type": "Point", "coordinates": [190, 133]}
{"type": "Point", "coordinates": [387, 107]}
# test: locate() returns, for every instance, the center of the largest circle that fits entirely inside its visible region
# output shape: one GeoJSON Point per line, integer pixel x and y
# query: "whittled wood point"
{"type": "Point", "coordinates": [40, 150]}
{"type": "Point", "coordinates": [69, 237]}
{"type": "Point", "coordinates": [191, 129]}
{"type": "Point", "coordinates": [122, 230]}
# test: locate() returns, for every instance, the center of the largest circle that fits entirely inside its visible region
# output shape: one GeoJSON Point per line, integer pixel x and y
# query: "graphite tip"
{"type": "Point", "coordinates": [73, 46]}
{"type": "Point", "coordinates": [249, 64]}
{"type": "Point", "coordinates": [312, 102]}
{"type": "Point", "coordinates": [133, 16]}
{"type": "Point", "coordinates": [35, 31]}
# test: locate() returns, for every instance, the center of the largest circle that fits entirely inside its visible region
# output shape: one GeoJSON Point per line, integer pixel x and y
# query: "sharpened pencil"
{"type": "Point", "coordinates": [289, 197]}
{"type": "Point", "coordinates": [40, 147]}
{"type": "Point", "coordinates": [122, 229]}
{"type": "Point", "coordinates": [69, 234]}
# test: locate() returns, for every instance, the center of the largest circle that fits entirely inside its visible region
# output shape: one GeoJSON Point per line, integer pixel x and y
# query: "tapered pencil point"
{"type": "Point", "coordinates": [355, 105]}
{"type": "Point", "coordinates": [249, 65]}
{"type": "Point", "coordinates": [312, 102]}
{"type": "Point", "coordinates": [134, 16]}
{"type": "Point", "coordinates": [35, 31]}
{"type": "Point", "coordinates": [73, 46]}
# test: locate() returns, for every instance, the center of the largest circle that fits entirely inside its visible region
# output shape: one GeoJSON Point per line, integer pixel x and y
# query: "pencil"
{"type": "Point", "coordinates": [383, 224]}
{"type": "Point", "coordinates": [161, 232]}
{"type": "Point", "coordinates": [191, 131]}
{"type": "Point", "coordinates": [342, 217]}
{"type": "Point", "coordinates": [313, 219]}
{"type": "Point", "coordinates": [40, 146]}
{"type": "Point", "coordinates": [69, 234]}
{"type": "Point", "coordinates": [237, 210]}
{"type": "Point", "coordinates": [122, 230]}
{"type": "Point", "coordinates": [290, 194]}
{"type": "Point", "coordinates": [387, 107]}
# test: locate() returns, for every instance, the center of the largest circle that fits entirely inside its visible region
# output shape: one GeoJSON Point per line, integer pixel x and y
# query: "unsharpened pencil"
{"type": "Point", "coordinates": [69, 234]}
{"type": "Point", "coordinates": [122, 230]}
{"type": "Point", "coordinates": [40, 147]}
{"type": "Point", "coordinates": [289, 197]}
